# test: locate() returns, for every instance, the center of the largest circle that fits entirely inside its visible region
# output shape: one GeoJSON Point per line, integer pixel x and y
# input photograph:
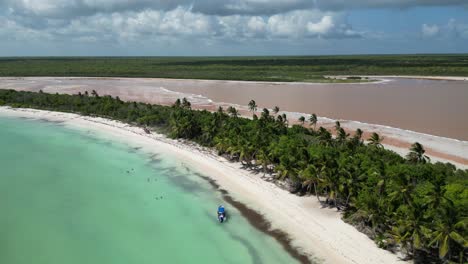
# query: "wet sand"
{"type": "Point", "coordinates": [258, 221]}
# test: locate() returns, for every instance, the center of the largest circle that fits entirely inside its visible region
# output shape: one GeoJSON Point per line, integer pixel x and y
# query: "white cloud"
{"type": "Point", "coordinates": [206, 21]}
{"type": "Point", "coordinates": [310, 24]}
{"type": "Point", "coordinates": [288, 25]}
{"type": "Point", "coordinates": [322, 27]}
{"type": "Point", "coordinates": [452, 29]}
{"type": "Point", "coordinates": [182, 22]}
{"type": "Point", "coordinates": [75, 8]}
{"type": "Point", "coordinates": [430, 30]}
{"type": "Point", "coordinates": [256, 26]}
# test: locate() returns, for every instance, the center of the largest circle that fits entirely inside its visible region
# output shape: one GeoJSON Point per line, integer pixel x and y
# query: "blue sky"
{"type": "Point", "coordinates": [231, 27]}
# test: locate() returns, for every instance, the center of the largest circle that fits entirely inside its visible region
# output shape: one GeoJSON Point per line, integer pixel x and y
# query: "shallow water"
{"type": "Point", "coordinates": [69, 196]}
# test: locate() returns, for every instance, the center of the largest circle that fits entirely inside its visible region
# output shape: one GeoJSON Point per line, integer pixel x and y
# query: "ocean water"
{"type": "Point", "coordinates": [73, 196]}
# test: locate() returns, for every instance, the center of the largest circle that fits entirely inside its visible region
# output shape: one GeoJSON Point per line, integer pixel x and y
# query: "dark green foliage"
{"type": "Point", "coordinates": [420, 206]}
{"type": "Point", "coordinates": [307, 68]}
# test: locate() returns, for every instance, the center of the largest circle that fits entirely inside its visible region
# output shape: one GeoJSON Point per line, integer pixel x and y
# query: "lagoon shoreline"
{"type": "Point", "coordinates": [165, 91]}
{"type": "Point", "coordinates": [317, 232]}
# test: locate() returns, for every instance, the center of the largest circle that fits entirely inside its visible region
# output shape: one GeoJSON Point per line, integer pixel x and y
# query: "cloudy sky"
{"type": "Point", "coordinates": [231, 27]}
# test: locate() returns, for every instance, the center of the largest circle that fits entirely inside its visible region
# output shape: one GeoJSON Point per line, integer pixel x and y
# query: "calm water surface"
{"type": "Point", "coordinates": [69, 196]}
{"type": "Point", "coordinates": [429, 106]}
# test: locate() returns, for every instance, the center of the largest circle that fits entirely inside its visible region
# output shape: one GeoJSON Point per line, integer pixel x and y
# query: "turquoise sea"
{"type": "Point", "coordinates": [73, 196]}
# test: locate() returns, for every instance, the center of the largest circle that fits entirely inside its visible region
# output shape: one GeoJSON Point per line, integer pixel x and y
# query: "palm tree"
{"type": "Point", "coordinates": [232, 111]}
{"type": "Point", "coordinates": [285, 119]}
{"type": "Point", "coordinates": [357, 138]}
{"type": "Point", "coordinates": [341, 135]}
{"type": "Point", "coordinates": [331, 182]}
{"type": "Point", "coordinates": [376, 140]}
{"type": "Point", "coordinates": [313, 120]}
{"type": "Point", "coordinates": [310, 178]}
{"type": "Point", "coordinates": [337, 125]}
{"type": "Point", "coordinates": [252, 106]}
{"type": "Point", "coordinates": [302, 120]}
{"type": "Point", "coordinates": [265, 113]}
{"type": "Point", "coordinates": [324, 136]}
{"type": "Point", "coordinates": [358, 134]}
{"type": "Point", "coordinates": [223, 144]}
{"type": "Point", "coordinates": [416, 154]}
{"type": "Point", "coordinates": [186, 104]}
{"type": "Point", "coordinates": [177, 103]}
{"type": "Point", "coordinates": [220, 110]}
{"type": "Point", "coordinates": [276, 109]}
{"type": "Point", "coordinates": [263, 159]}
{"type": "Point", "coordinates": [280, 119]}
{"type": "Point", "coordinates": [411, 231]}
{"type": "Point", "coordinates": [449, 230]}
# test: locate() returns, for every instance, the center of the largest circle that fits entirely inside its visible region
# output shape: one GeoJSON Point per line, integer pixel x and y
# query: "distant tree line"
{"type": "Point", "coordinates": [263, 68]}
{"type": "Point", "coordinates": [406, 204]}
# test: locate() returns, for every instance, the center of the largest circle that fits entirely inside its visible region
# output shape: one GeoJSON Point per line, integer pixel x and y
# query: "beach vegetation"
{"type": "Point", "coordinates": [276, 109]}
{"type": "Point", "coordinates": [416, 154]}
{"type": "Point", "coordinates": [313, 120]}
{"type": "Point", "coordinates": [404, 203]}
{"type": "Point", "coordinates": [375, 140]}
{"type": "Point", "coordinates": [252, 106]}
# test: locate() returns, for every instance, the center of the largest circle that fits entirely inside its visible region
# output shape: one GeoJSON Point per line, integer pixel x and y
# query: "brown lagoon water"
{"type": "Point", "coordinates": [429, 106]}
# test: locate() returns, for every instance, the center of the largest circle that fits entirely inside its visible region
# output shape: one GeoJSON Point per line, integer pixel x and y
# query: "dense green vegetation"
{"type": "Point", "coordinates": [309, 69]}
{"type": "Point", "coordinates": [407, 203]}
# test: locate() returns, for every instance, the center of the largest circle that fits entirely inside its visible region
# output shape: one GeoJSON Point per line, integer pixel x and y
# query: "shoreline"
{"type": "Point", "coordinates": [372, 78]}
{"type": "Point", "coordinates": [202, 96]}
{"type": "Point", "coordinates": [399, 140]}
{"type": "Point", "coordinates": [439, 149]}
{"type": "Point", "coordinates": [418, 77]}
{"type": "Point", "coordinates": [258, 221]}
{"type": "Point", "coordinates": [316, 231]}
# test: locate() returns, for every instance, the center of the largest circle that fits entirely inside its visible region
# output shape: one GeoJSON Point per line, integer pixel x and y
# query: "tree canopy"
{"type": "Point", "coordinates": [407, 203]}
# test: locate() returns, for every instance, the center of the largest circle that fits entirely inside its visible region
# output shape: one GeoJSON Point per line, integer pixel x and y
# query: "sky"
{"type": "Point", "coordinates": [231, 27]}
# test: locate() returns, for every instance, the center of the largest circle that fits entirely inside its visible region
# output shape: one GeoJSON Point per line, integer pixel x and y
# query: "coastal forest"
{"type": "Point", "coordinates": [268, 68]}
{"type": "Point", "coordinates": [405, 204]}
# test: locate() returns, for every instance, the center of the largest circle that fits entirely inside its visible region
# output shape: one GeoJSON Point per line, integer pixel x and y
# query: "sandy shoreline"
{"type": "Point", "coordinates": [421, 77]}
{"type": "Point", "coordinates": [318, 231]}
{"type": "Point", "coordinates": [166, 91]}
{"type": "Point", "coordinates": [439, 149]}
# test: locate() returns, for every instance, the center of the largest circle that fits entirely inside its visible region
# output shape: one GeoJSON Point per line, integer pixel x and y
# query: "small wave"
{"type": "Point", "coordinates": [415, 133]}
{"type": "Point", "coordinates": [197, 99]}
{"type": "Point", "coordinates": [323, 119]}
{"type": "Point", "coordinates": [383, 128]}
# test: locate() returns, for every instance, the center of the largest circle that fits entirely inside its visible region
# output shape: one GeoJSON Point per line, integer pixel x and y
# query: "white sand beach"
{"type": "Point", "coordinates": [317, 231]}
